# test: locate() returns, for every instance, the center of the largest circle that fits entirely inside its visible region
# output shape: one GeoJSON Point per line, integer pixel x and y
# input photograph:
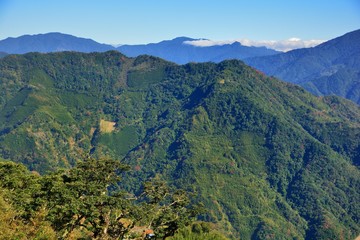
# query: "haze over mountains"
{"type": "Point", "coordinates": [268, 159]}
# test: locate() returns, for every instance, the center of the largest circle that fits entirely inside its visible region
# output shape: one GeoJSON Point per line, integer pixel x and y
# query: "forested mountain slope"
{"type": "Point", "coordinates": [267, 158]}
{"type": "Point", "coordinates": [331, 68]}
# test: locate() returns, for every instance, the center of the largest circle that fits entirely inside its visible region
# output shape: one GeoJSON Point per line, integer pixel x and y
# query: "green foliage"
{"type": "Point", "coordinates": [120, 142]}
{"type": "Point", "coordinates": [18, 218]}
{"type": "Point", "coordinates": [266, 158]}
{"type": "Point", "coordinates": [166, 210]}
{"type": "Point", "coordinates": [141, 79]}
{"type": "Point", "coordinates": [87, 200]}
{"type": "Point", "coordinates": [80, 198]}
{"type": "Point", "coordinates": [11, 227]}
{"type": "Point", "coordinates": [199, 230]}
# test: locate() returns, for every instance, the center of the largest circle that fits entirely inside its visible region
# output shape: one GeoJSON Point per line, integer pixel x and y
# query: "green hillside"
{"type": "Point", "coordinates": [267, 159]}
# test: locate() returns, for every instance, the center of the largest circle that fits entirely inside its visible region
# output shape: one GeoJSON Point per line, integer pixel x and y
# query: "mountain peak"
{"type": "Point", "coordinates": [182, 39]}
{"type": "Point", "coordinates": [51, 42]}
{"type": "Point", "coordinates": [181, 50]}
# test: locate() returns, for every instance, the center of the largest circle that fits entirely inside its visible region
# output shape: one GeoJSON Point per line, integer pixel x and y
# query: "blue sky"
{"type": "Point", "coordinates": [144, 21]}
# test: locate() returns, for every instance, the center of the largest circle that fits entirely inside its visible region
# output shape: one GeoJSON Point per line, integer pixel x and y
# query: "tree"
{"type": "Point", "coordinates": [19, 218]}
{"type": "Point", "coordinates": [167, 210]}
{"type": "Point", "coordinates": [88, 201]}
{"type": "Point", "coordinates": [80, 198]}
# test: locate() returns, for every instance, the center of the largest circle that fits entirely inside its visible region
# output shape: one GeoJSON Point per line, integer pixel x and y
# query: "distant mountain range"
{"type": "Point", "coordinates": [331, 68]}
{"type": "Point", "coordinates": [51, 42]}
{"type": "Point", "coordinates": [175, 50]}
{"type": "Point", "coordinates": [178, 51]}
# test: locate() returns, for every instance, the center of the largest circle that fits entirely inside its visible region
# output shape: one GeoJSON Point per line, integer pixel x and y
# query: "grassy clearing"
{"type": "Point", "coordinates": [107, 126]}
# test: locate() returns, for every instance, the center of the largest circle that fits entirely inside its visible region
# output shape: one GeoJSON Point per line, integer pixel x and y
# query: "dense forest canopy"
{"type": "Point", "coordinates": [86, 202]}
{"type": "Point", "coordinates": [266, 158]}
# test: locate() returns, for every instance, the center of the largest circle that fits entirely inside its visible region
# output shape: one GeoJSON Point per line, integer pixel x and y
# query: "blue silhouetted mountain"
{"type": "Point", "coordinates": [331, 68]}
{"type": "Point", "coordinates": [175, 50]}
{"type": "Point", "coordinates": [178, 51]}
{"type": "Point", "coordinates": [51, 42]}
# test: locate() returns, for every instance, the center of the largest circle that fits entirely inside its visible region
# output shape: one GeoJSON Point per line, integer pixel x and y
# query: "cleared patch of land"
{"type": "Point", "coordinates": [107, 126]}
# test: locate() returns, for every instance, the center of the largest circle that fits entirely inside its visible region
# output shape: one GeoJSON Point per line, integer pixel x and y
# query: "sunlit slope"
{"type": "Point", "coordinates": [266, 158]}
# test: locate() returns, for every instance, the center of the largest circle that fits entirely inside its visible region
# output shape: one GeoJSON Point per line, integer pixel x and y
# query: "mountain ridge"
{"type": "Point", "coordinates": [266, 157]}
{"type": "Point", "coordinates": [51, 42]}
{"type": "Point", "coordinates": [178, 51]}
{"type": "Point", "coordinates": [172, 50]}
{"type": "Point", "coordinates": [331, 68]}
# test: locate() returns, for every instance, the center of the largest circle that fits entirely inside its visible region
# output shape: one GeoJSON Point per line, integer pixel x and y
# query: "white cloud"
{"type": "Point", "coordinates": [208, 43]}
{"type": "Point", "coordinates": [282, 45]}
